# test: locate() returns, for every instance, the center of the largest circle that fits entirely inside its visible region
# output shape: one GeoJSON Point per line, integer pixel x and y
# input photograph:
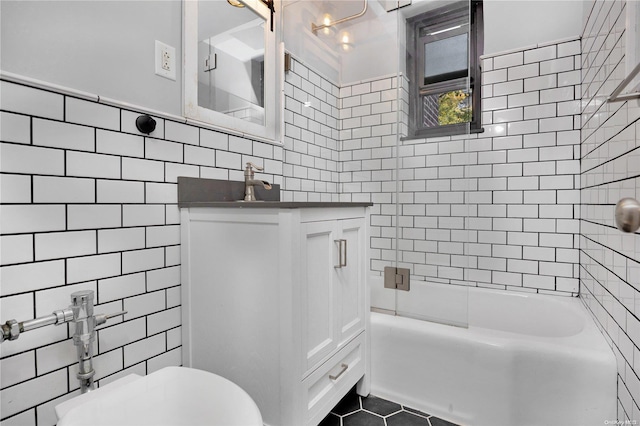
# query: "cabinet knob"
{"type": "Point", "coordinates": [628, 215]}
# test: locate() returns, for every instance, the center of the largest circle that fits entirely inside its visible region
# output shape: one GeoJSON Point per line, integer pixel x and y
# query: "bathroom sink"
{"type": "Point", "coordinates": [170, 396]}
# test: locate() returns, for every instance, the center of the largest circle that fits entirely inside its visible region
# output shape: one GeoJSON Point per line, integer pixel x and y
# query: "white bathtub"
{"type": "Point", "coordinates": [525, 359]}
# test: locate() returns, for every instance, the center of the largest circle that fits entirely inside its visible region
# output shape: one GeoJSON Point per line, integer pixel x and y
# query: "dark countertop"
{"type": "Point", "coordinates": [199, 192]}
{"type": "Point", "coordinates": [271, 204]}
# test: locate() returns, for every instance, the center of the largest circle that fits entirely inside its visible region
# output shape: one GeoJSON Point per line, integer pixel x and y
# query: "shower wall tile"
{"type": "Point", "coordinates": [609, 154]}
{"type": "Point", "coordinates": [495, 209]}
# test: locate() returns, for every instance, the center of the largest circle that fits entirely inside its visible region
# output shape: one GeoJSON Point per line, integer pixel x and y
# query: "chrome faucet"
{"type": "Point", "coordinates": [250, 182]}
{"type": "Point", "coordinates": [80, 312]}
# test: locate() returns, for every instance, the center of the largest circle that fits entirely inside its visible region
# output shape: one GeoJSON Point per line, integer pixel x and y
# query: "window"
{"type": "Point", "coordinates": [444, 70]}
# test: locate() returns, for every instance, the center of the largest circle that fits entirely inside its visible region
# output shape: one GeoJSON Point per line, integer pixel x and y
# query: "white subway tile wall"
{"type": "Point", "coordinates": [610, 170]}
{"type": "Point", "coordinates": [496, 209]}
{"type": "Point", "coordinates": [88, 202]}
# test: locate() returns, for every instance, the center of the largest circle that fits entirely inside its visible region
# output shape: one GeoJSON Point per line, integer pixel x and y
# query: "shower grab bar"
{"type": "Point", "coordinates": [616, 96]}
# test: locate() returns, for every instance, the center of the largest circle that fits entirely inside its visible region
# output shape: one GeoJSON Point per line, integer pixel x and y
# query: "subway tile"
{"type": "Point", "coordinates": [523, 99]}
{"type": "Point", "coordinates": [173, 170]}
{"type": "Point", "coordinates": [556, 65]}
{"type": "Point", "coordinates": [15, 128]}
{"type": "Point", "coordinates": [17, 369]}
{"type": "Point", "coordinates": [119, 191]}
{"type": "Point", "coordinates": [50, 189]}
{"type": "Point", "coordinates": [180, 132]}
{"type": "Point", "coordinates": [144, 170]}
{"type": "Point", "coordinates": [56, 245]}
{"type": "Point", "coordinates": [540, 54]}
{"type": "Point", "coordinates": [92, 114]}
{"type": "Point", "coordinates": [523, 71]}
{"type": "Point", "coordinates": [156, 149]}
{"type": "Point", "coordinates": [33, 392]}
{"type": "Point", "coordinates": [21, 218]}
{"type": "Point", "coordinates": [31, 276]}
{"type": "Point", "coordinates": [31, 159]}
{"type": "Point", "coordinates": [16, 249]}
{"type": "Point", "coordinates": [142, 260]}
{"type": "Point", "coordinates": [142, 215]}
{"type": "Point", "coordinates": [510, 60]}
{"type": "Point", "coordinates": [199, 156]}
{"type": "Point", "coordinates": [15, 188]}
{"type": "Point", "coordinates": [212, 139]}
{"type": "Point", "coordinates": [569, 48]}
{"type": "Point", "coordinates": [549, 81]}
{"type": "Point", "coordinates": [497, 76]}
{"type": "Point", "coordinates": [163, 321]}
{"type": "Point", "coordinates": [144, 349]}
{"type": "Point", "coordinates": [93, 216]}
{"type": "Point", "coordinates": [27, 100]}
{"type": "Point", "coordinates": [557, 95]}
{"type": "Point", "coordinates": [161, 193]}
{"type": "Point", "coordinates": [121, 287]}
{"type": "Point", "coordinates": [121, 334]}
{"type": "Point", "coordinates": [144, 304]}
{"type": "Point", "coordinates": [63, 135]}
{"type": "Point", "coordinates": [508, 88]}
{"type": "Point", "coordinates": [122, 239]}
{"type": "Point", "coordinates": [228, 160]}
{"type": "Point", "coordinates": [522, 127]}
{"type": "Point", "coordinates": [93, 267]}
{"type": "Point", "coordinates": [163, 278]}
{"type": "Point", "coordinates": [109, 142]}
{"type": "Point", "coordinates": [163, 235]}
{"type": "Point", "coordinates": [93, 165]}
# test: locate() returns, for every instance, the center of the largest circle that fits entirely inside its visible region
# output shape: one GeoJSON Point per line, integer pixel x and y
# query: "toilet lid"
{"type": "Point", "coordinates": [170, 396]}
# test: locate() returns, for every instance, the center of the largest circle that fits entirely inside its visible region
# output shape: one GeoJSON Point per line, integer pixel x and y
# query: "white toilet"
{"type": "Point", "coordinates": [170, 396]}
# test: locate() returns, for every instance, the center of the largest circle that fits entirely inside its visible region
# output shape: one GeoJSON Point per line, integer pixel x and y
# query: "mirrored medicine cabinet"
{"type": "Point", "coordinates": [233, 75]}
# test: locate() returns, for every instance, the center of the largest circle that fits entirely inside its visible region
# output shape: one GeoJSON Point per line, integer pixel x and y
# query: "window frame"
{"type": "Point", "coordinates": [415, 67]}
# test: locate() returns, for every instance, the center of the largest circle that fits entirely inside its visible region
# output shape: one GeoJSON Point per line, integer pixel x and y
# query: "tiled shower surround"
{"type": "Point", "coordinates": [90, 203]}
{"type": "Point", "coordinates": [495, 209]}
{"type": "Point", "coordinates": [610, 170]}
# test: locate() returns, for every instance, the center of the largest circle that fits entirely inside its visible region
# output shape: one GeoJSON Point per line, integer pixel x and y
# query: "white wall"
{"type": "Point", "coordinates": [514, 24]}
{"type": "Point", "coordinates": [102, 47]}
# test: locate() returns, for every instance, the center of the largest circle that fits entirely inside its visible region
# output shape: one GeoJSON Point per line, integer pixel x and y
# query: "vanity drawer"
{"type": "Point", "coordinates": [326, 386]}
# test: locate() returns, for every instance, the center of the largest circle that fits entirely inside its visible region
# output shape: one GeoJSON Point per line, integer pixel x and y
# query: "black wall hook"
{"type": "Point", "coordinates": [145, 124]}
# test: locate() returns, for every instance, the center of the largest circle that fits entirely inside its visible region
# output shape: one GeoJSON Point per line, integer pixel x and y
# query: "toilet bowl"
{"type": "Point", "coordinates": [170, 396]}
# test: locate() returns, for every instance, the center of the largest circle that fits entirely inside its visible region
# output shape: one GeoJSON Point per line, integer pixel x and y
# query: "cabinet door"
{"type": "Point", "coordinates": [318, 291]}
{"type": "Point", "coordinates": [351, 279]}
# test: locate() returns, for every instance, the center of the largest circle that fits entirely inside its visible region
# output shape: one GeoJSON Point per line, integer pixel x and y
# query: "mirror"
{"type": "Point", "coordinates": [230, 63]}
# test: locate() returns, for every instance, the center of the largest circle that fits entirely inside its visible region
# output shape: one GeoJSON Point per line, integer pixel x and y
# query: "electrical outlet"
{"type": "Point", "coordinates": [165, 60]}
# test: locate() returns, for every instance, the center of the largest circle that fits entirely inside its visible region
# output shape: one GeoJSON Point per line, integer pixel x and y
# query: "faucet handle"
{"type": "Point", "coordinates": [250, 165]}
{"type": "Point", "coordinates": [102, 318]}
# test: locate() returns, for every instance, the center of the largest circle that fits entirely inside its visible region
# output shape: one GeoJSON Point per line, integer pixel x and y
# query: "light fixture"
{"type": "Point", "coordinates": [327, 29]}
{"type": "Point", "coordinates": [345, 41]}
{"type": "Point", "coordinates": [235, 3]}
{"type": "Point", "coordinates": [327, 24]}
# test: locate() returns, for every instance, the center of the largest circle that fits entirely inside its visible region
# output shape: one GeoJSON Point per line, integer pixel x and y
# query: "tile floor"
{"type": "Point", "coordinates": [354, 410]}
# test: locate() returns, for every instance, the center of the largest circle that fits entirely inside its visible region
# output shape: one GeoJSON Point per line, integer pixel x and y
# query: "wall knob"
{"type": "Point", "coordinates": [628, 215]}
{"type": "Point", "coordinates": [145, 124]}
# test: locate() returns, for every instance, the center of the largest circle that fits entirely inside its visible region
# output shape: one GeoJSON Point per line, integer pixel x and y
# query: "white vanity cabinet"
{"type": "Point", "coordinates": [275, 300]}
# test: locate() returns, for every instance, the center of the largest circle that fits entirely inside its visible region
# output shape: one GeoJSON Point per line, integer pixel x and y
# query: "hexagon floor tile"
{"type": "Point", "coordinates": [354, 410]}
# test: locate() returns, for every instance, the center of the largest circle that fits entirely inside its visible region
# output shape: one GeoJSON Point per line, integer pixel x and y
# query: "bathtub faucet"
{"type": "Point", "coordinates": [250, 182]}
